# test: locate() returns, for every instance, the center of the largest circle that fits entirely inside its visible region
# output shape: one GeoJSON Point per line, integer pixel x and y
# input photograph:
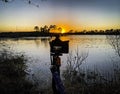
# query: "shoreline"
{"type": "Point", "coordinates": [39, 34]}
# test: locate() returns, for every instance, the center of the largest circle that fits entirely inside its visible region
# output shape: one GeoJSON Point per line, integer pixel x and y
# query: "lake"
{"type": "Point", "coordinates": [101, 54]}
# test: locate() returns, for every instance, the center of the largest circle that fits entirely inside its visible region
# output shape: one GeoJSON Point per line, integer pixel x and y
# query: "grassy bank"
{"type": "Point", "coordinates": [85, 81]}
{"type": "Point", "coordinates": [12, 73]}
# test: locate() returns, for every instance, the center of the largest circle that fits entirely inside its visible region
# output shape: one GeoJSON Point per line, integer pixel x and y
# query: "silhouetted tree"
{"type": "Point", "coordinates": [36, 28]}
{"type": "Point", "coordinates": [60, 29]}
{"type": "Point", "coordinates": [45, 29]}
{"type": "Point", "coordinates": [84, 31]}
{"type": "Point", "coordinates": [96, 31]}
{"type": "Point", "coordinates": [5, 0]}
{"type": "Point", "coordinates": [41, 29]}
{"type": "Point", "coordinates": [28, 1]}
{"type": "Point", "coordinates": [101, 31]}
{"type": "Point", "coordinates": [71, 31]}
{"type": "Point", "coordinates": [53, 27]}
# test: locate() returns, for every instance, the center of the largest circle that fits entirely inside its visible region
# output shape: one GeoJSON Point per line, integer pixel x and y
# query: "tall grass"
{"type": "Point", "coordinates": [12, 73]}
{"type": "Point", "coordinates": [85, 81]}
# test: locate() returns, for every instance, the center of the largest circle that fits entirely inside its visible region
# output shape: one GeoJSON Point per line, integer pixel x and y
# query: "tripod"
{"type": "Point", "coordinates": [57, 84]}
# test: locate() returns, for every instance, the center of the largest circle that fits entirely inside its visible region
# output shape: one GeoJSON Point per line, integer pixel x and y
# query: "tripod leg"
{"type": "Point", "coordinates": [54, 87]}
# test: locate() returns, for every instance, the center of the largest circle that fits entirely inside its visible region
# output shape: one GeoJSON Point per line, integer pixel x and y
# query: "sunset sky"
{"type": "Point", "coordinates": [68, 14]}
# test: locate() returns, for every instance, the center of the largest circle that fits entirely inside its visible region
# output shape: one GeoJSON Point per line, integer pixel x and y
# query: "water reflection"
{"type": "Point", "coordinates": [99, 59]}
{"type": "Point", "coordinates": [37, 40]}
{"type": "Point", "coordinates": [42, 41]}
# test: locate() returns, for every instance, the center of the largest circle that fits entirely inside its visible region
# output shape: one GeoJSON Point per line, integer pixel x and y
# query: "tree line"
{"type": "Point", "coordinates": [107, 31]}
{"type": "Point", "coordinates": [47, 29]}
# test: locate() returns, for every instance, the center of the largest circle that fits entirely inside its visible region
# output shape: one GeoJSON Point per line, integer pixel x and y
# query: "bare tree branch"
{"type": "Point", "coordinates": [114, 41]}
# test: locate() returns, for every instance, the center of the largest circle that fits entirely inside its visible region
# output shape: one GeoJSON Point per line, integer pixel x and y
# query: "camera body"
{"type": "Point", "coordinates": [59, 47]}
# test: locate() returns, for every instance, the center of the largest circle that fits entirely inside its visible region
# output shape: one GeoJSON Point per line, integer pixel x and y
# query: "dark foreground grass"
{"type": "Point", "coordinates": [86, 81]}
{"type": "Point", "coordinates": [81, 84]}
{"type": "Point", "coordinates": [12, 73]}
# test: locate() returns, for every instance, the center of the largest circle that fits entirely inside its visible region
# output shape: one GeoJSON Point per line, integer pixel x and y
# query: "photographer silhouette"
{"type": "Point", "coordinates": [57, 48]}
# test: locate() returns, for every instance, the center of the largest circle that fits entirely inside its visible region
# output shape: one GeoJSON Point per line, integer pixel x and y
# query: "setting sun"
{"type": "Point", "coordinates": [63, 30]}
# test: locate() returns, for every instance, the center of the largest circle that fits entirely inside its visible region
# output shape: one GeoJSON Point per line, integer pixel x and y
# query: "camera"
{"type": "Point", "coordinates": [59, 47]}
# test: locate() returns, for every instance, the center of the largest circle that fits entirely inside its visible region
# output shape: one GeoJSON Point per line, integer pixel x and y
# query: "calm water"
{"type": "Point", "coordinates": [37, 50]}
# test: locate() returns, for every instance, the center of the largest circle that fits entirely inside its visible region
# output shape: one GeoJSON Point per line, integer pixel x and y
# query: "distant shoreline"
{"type": "Point", "coordinates": [39, 34]}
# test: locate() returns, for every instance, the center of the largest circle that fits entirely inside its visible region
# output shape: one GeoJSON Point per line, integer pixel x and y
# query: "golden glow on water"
{"type": "Point", "coordinates": [63, 38]}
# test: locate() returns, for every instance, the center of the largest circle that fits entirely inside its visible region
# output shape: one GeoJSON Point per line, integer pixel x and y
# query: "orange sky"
{"type": "Point", "coordinates": [19, 16]}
